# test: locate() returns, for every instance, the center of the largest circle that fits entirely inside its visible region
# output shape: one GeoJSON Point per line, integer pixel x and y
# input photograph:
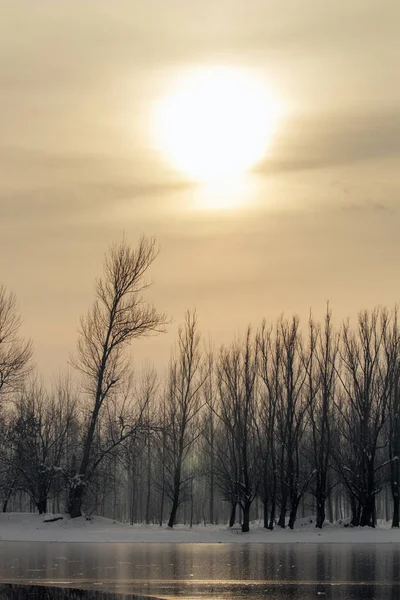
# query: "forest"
{"type": "Point", "coordinates": [289, 419]}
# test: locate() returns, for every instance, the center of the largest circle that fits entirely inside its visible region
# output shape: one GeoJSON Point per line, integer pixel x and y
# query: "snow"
{"type": "Point", "coordinates": [29, 527]}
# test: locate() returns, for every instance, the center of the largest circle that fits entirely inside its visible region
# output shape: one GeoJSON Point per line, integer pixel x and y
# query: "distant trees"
{"type": "Point", "coordinates": [118, 315]}
{"type": "Point", "coordinates": [282, 421]}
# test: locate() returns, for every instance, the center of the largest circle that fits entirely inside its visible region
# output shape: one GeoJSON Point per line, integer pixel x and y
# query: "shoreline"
{"type": "Point", "coordinates": [29, 527]}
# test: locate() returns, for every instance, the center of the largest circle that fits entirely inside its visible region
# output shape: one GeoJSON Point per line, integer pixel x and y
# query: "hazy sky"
{"type": "Point", "coordinates": [78, 166]}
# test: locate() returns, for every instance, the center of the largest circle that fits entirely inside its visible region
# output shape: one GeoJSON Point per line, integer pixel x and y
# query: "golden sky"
{"type": "Point", "coordinates": [318, 220]}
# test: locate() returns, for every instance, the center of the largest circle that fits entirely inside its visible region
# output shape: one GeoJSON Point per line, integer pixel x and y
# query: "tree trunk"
{"type": "Point", "coordinates": [395, 470]}
{"type": "Point", "coordinates": [42, 506]}
{"type": "Point", "coordinates": [284, 497]}
{"type": "Point", "coordinates": [148, 494]}
{"type": "Point", "coordinates": [172, 516]}
{"type": "Point", "coordinates": [211, 503]}
{"type": "Point", "coordinates": [265, 496]}
{"type": "Point", "coordinates": [191, 505]}
{"type": "Point", "coordinates": [265, 514]}
{"type": "Point", "coordinates": [330, 516]}
{"type": "Point", "coordinates": [273, 504]}
{"type": "Point", "coordinates": [75, 500]}
{"type": "Point", "coordinates": [320, 511]}
{"type": "Point", "coordinates": [177, 489]}
{"type": "Point", "coordinates": [233, 514]}
{"type": "Point", "coordinates": [163, 472]}
{"type": "Point", "coordinates": [396, 503]}
{"type": "Point", "coordinates": [162, 508]}
{"type": "Point", "coordinates": [246, 517]}
{"type": "Point", "coordinates": [132, 494]}
{"type": "Point", "coordinates": [282, 516]}
{"type": "Point", "coordinates": [6, 499]}
{"type": "Point", "coordinates": [355, 511]}
{"type": "Point", "coordinates": [293, 514]}
{"type": "Point", "coordinates": [212, 475]}
{"type": "Point", "coordinates": [271, 524]}
{"type": "Point", "coordinates": [368, 513]}
{"type": "Point", "coordinates": [174, 508]}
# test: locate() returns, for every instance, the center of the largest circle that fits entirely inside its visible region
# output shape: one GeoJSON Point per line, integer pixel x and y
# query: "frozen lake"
{"type": "Point", "coordinates": [295, 571]}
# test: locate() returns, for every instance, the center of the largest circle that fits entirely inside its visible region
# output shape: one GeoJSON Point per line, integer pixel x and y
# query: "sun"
{"type": "Point", "coordinates": [216, 123]}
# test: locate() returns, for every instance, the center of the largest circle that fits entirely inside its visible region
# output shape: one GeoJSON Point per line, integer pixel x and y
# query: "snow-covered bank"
{"type": "Point", "coordinates": [31, 527]}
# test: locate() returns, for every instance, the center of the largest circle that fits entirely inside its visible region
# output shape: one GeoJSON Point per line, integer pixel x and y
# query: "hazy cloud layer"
{"type": "Point", "coordinates": [312, 143]}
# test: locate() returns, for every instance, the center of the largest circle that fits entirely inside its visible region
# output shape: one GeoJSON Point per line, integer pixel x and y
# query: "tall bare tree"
{"type": "Point", "coordinates": [392, 357]}
{"type": "Point", "coordinates": [292, 420]}
{"type": "Point", "coordinates": [118, 315]}
{"type": "Point", "coordinates": [366, 382]}
{"type": "Point", "coordinates": [239, 471]}
{"type": "Point", "coordinates": [15, 353]}
{"type": "Point", "coordinates": [149, 390]}
{"type": "Point", "coordinates": [269, 368]}
{"type": "Point", "coordinates": [209, 431]}
{"type": "Point", "coordinates": [321, 384]}
{"type": "Point", "coordinates": [183, 404]}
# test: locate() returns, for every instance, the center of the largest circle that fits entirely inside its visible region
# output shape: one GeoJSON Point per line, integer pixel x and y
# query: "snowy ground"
{"type": "Point", "coordinates": [31, 527]}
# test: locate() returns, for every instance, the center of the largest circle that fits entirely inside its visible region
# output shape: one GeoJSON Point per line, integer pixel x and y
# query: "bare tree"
{"type": "Point", "coordinates": [15, 353]}
{"type": "Point", "coordinates": [269, 368]}
{"type": "Point", "coordinates": [160, 447]}
{"type": "Point", "coordinates": [183, 404]}
{"type": "Point", "coordinates": [321, 385]}
{"type": "Point", "coordinates": [209, 431]}
{"type": "Point", "coordinates": [38, 436]}
{"type": "Point", "coordinates": [118, 315]}
{"type": "Point", "coordinates": [121, 479]}
{"type": "Point", "coordinates": [149, 389]}
{"type": "Point", "coordinates": [394, 445]}
{"type": "Point", "coordinates": [240, 470]}
{"type": "Point", "coordinates": [292, 419]}
{"type": "Point", "coordinates": [366, 382]}
{"type": "Point", "coordinates": [9, 475]}
{"type": "Point", "coordinates": [392, 357]}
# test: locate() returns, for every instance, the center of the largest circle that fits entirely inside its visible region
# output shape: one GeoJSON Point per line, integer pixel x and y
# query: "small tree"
{"type": "Point", "coordinates": [118, 315]}
{"type": "Point", "coordinates": [40, 427]}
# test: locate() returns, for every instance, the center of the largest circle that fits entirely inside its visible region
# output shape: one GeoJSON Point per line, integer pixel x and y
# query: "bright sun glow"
{"type": "Point", "coordinates": [216, 124]}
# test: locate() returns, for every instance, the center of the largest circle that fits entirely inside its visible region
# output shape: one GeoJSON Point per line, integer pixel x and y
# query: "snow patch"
{"type": "Point", "coordinates": [29, 527]}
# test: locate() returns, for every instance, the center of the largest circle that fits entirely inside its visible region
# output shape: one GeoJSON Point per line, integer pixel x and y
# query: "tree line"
{"type": "Point", "coordinates": [282, 418]}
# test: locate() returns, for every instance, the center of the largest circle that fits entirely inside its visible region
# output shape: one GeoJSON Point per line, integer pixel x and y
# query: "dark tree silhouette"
{"type": "Point", "coordinates": [118, 315]}
{"type": "Point", "coordinates": [183, 404]}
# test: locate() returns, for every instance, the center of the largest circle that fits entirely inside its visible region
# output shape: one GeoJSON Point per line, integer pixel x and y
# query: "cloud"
{"type": "Point", "coordinates": [39, 186]}
{"type": "Point", "coordinates": [314, 143]}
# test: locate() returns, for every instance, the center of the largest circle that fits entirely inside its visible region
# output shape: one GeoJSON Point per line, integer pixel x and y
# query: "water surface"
{"type": "Point", "coordinates": [301, 571]}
